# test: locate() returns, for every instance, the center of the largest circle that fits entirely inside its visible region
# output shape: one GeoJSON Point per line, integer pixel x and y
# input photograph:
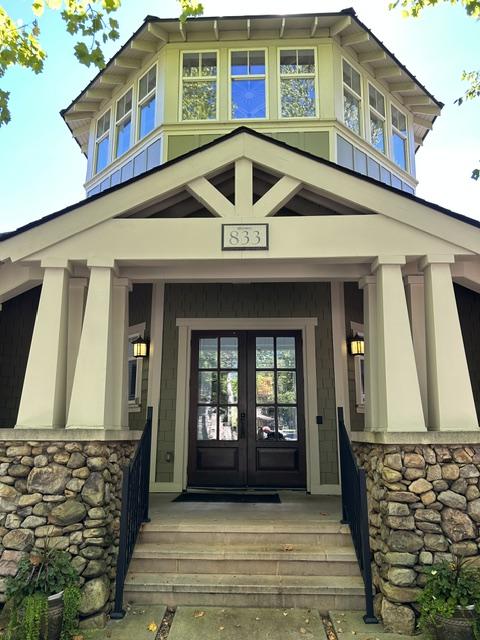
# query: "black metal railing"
{"type": "Point", "coordinates": [355, 512]}
{"type": "Point", "coordinates": [135, 493]}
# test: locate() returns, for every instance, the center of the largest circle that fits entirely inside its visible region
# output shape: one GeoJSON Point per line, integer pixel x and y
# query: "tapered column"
{"type": "Point", "coordinates": [414, 291]}
{"type": "Point", "coordinates": [91, 403]}
{"type": "Point", "coordinates": [369, 286]}
{"type": "Point", "coordinates": [42, 404]}
{"type": "Point", "coordinates": [121, 289]}
{"type": "Point", "coordinates": [450, 399]}
{"type": "Point", "coordinates": [76, 308]}
{"type": "Point", "coordinates": [399, 401]}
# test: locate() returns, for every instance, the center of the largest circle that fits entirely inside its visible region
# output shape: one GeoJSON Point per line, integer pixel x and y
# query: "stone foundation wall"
{"type": "Point", "coordinates": [424, 506]}
{"type": "Point", "coordinates": [70, 493]}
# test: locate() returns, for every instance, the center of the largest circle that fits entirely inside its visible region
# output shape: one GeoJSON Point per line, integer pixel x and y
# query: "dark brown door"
{"type": "Point", "coordinates": [247, 424]}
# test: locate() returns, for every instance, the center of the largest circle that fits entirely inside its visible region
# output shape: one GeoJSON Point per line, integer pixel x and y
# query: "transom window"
{"type": "Point", "coordinates": [102, 142]}
{"type": "Point", "coordinates": [248, 84]}
{"type": "Point", "coordinates": [146, 102]}
{"type": "Point", "coordinates": [123, 124]}
{"type": "Point", "coordinates": [377, 118]}
{"type": "Point", "coordinates": [297, 83]}
{"type": "Point", "coordinates": [352, 98]}
{"type": "Point", "coordinates": [399, 138]}
{"type": "Point", "coordinates": [199, 85]}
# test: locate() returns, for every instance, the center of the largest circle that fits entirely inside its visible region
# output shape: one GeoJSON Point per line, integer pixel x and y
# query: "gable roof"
{"type": "Point", "coordinates": [155, 32]}
{"type": "Point", "coordinates": [76, 207]}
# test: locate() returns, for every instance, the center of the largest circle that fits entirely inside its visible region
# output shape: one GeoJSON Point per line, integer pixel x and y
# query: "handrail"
{"type": "Point", "coordinates": [135, 494]}
{"type": "Point", "coordinates": [355, 512]}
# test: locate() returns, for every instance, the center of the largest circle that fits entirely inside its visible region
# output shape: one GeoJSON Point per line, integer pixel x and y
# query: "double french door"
{"type": "Point", "coordinates": [247, 419]}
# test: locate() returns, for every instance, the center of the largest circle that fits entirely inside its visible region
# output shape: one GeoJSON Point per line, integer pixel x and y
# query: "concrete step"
{"type": "Point", "coordinates": [328, 534]}
{"type": "Point", "coordinates": [249, 559]}
{"type": "Point", "coordinates": [319, 592]}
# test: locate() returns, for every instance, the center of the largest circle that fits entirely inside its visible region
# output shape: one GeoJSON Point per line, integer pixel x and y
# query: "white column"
{"type": "Point", "coordinates": [416, 309]}
{"type": "Point", "coordinates": [450, 399]}
{"type": "Point", "coordinates": [42, 404]}
{"type": "Point", "coordinates": [399, 401]}
{"type": "Point", "coordinates": [121, 289]}
{"type": "Point", "coordinates": [369, 286]}
{"type": "Point", "coordinates": [76, 308]}
{"type": "Point", "coordinates": [91, 403]}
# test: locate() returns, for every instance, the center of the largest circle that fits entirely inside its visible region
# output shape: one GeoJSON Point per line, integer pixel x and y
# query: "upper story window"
{"type": "Point", "coordinates": [123, 126]}
{"type": "Point", "coordinates": [352, 98]}
{"type": "Point", "coordinates": [297, 83]}
{"type": "Point", "coordinates": [146, 102]}
{"type": "Point", "coordinates": [377, 118]}
{"type": "Point", "coordinates": [102, 142]}
{"type": "Point", "coordinates": [248, 84]}
{"type": "Point", "coordinates": [399, 138]}
{"type": "Point", "coordinates": [199, 85]}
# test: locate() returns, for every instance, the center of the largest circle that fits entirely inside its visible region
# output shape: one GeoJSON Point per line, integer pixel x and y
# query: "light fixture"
{"type": "Point", "coordinates": [356, 345]}
{"type": "Point", "coordinates": [140, 347]}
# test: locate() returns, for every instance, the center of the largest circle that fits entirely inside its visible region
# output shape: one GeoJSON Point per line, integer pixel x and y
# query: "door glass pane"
{"type": "Point", "coordinates": [229, 353]}
{"type": "Point", "coordinates": [207, 423]}
{"type": "Point", "coordinates": [228, 387]}
{"type": "Point", "coordinates": [287, 423]}
{"type": "Point", "coordinates": [228, 423]}
{"type": "Point", "coordinates": [265, 387]}
{"type": "Point", "coordinates": [207, 357]}
{"type": "Point", "coordinates": [286, 387]}
{"type": "Point", "coordinates": [208, 387]}
{"type": "Point", "coordinates": [265, 423]}
{"type": "Point", "coordinates": [286, 353]}
{"type": "Point", "coordinates": [264, 353]}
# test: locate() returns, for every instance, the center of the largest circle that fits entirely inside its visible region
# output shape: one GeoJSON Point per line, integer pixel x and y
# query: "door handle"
{"type": "Point", "coordinates": [242, 425]}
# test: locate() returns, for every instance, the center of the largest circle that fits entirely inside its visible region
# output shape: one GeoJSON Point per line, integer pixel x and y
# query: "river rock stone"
{"type": "Point", "coordinates": [399, 559]}
{"type": "Point", "coordinates": [434, 472]}
{"type": "Point", "coordinates": [466, 548]}
{"type": "Point", "coordinates": [29, 499]}
{"type": "Point", "coordinates": [402, 577]}
{"type": "Point", "coordinates": [405, 541]}
{"type": "Point", "coordinates": [97, 463]}
{"type": "Point", "coordinates": [92, 553]}
{"type": "Point", "coordinates": [393, 460]}
{"type": "Point", "coordinates": [414, 460]}
{"type": "Point", "coordinates": [402, 496]}
{"type": "Point", "coordinates": [19, 450]}
{"type": "Point", "coordinates": [19, 540]}
{"type": "Point", "coordinates": [469, 471]}
{"type": "Point", "coordinates": [79, 564]}
{"type": "Point", "coordinates": [473, 509]}
{"type": "Point", "coordinates": [66, 513]}
{"type": "Point", "coordinates": [9, 498]}
{"type": "Point", "coordinates": [93, 491]}
{"type": "Point", "coordinates": [397, 618]}
{"type": "Point", "coordinates": [472, 492]}
{"type": "Point", "coordinates": [459, 486]}
{"type": "Point", "coordinates": [457, 525]}
{"type": "Point", "coordinates": [425, 557]}
{"type": "Point", "coordinates": [452, 499]}
{"type": "Point", "coordinates": [94, 569]}
{"type": "Point", "coordinates": [460, 455]}
{"type": "Point", "coordinates": [435, 542]}
{"type": "Point", "coordinates": [49, 480]}
{"type": "Point", "coordinates": [76, 460]}
{"type": "Point", "coordinates": [31, 522]}
{"type": "Point", "coordinates": [40, 461]}
{"type": "Point", "coordinates": [400, 522]}
{"type": "Point", "coordinates": [450, 471]}
{"type": "Point", "coordinates": [95, 595]}
{"type": "Point", "coordinates": [400, 594]}
{"type": "Point", "coordinates": [390, 475]}
{"type": "Point", "coordinates": [428, 498]}
{"type": "Point", "coordinates": [19, 470]}
{"type": "Point", "coordinates": [420, 486]}
{"type": "Point", "coordinates": [428, 515]}
{"type": "Point", "coordinates": [397, 509]}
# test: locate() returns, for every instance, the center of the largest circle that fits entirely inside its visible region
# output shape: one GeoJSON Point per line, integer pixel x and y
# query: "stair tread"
{"type": "Point", "coordinates": [241, 583]}
{"type": "Point", "coordinates": [144, 550]}
{"type": "Point", "coordinates": [220, 526]}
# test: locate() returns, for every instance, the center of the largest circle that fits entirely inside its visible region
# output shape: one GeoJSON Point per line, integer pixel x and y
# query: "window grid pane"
{"type": "Point", "coordinates": [377, 132]}
{"type": "Point", "coordinates": [351, 78]}
{"type": "Point", "coordinates": [351, 111]}
{"type": "Point", "coordinates": [297, 97]}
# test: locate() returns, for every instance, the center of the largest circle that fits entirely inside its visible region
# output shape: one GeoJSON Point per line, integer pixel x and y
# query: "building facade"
{"type": "Point", "coordinates": [250, 209]}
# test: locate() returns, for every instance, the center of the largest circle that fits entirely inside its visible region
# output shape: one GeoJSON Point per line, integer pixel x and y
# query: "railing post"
{"type": "Point", "coordinates": [355, 512]}
{"type": "Point", "coordinates": [146, 463]}
{"type": "Point", "coordinates": [118, 611]}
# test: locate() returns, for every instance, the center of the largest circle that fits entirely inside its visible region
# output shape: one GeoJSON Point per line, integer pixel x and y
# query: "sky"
{"type": "Point", "coordinates": [43, 170]}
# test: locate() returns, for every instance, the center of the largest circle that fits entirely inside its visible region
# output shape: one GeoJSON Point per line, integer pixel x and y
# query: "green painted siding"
{"type": "Point", "coordinates": [17, 319]}
{"type": "Point", "coordinates": [468, 304]}
{"type": "Point", "coordinates": [249, 301]}
{"type": "Point", "coordinates": [353, 313]}
{"type": "Point", "coordinates": [140, 310]}
{"type": "Point", "coordinates": [314, 142]}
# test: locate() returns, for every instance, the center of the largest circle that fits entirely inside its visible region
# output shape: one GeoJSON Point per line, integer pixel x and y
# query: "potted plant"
{"type": "Point", "coordinates": [44, 597]}
{"type": "Point", "coordinates": [450, 601]}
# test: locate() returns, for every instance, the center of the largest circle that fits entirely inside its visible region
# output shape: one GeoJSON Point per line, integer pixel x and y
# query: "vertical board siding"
{"type": "Point", "coordinates": [249, 301]}
{"type": "Point", "coordinates": [139, 311]}
{"type": "Point", "coordinates": [17, 319]}
{"type": "Point", "coordinates": [353, 313]}
{"type": "Point", "coordinates": [468, 304]}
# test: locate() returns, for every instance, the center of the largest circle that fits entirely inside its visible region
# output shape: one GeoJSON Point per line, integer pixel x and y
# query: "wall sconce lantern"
{"type": "Point", "coordinates": [356, 345]}
{"type": "Point", "coordinates": [140, 347]}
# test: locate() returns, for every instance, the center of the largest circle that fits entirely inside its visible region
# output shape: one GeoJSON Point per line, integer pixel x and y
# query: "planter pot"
{"type": "Point", "coordinates": [55, 617]}
{"type": "Point", "coordinates": [459, 627]}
